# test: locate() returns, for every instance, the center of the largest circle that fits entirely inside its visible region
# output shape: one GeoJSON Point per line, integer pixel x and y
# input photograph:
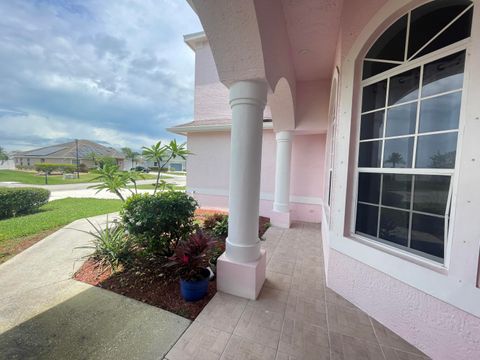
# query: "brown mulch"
{"type": "Point", "coordinates": [146, 280]}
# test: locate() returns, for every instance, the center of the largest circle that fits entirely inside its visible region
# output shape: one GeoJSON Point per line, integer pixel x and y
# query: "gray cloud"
{"type": "Point", "coordinates": [114, 71]}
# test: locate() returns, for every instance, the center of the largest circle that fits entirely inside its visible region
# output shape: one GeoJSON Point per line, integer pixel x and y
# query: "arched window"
{"type": "Point", "coordinates": [412, 83]}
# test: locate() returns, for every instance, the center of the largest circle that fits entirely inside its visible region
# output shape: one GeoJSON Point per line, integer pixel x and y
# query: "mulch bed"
{"type": "Point", "coordinates": [146, 280]}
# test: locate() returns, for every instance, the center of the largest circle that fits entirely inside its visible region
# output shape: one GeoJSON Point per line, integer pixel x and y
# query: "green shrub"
{"type": "Point", "coordinates": [212, 220]}
{"type": "Point", "coordinates": [111, 244]}
{"type": "Point", "coordinates": [159, 221]}
{"type": "Point", "coordinates": [18, 201]}
{"type": "Point", "coordinates": [49, 168]}
{"type": "Point", "coordinates": [221, 228]}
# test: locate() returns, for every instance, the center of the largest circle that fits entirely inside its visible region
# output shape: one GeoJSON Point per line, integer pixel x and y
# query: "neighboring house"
{"type": "Point", "coordinates": [374, 133]}
{"type": "Point", "coordinates": [177, 164]}
{"type": "Point", "coordinates": [67, 154]}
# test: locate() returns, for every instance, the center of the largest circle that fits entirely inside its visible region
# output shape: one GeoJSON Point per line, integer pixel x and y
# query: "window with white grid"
{"type": "Point", "coordinates": [409, 128]}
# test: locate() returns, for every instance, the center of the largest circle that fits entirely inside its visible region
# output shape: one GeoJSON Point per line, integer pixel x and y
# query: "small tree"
{"type": "Point", "coordinates": [106, 161]}
{"type": "Point", "coordinates": [3, 155]}
{"type": "Point", "coordinates": [114, 181]}
{"type": "Point", "coordinates": [130, 155]}
{"type": "Point", "coordinates": [158, 152]}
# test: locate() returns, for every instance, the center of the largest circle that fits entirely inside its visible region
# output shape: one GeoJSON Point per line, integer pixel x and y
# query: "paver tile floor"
{"type": "Point", "coordinates": [295, 317]}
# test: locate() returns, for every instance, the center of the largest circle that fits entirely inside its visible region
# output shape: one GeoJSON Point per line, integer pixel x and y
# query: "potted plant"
{"type": "Point", "coordinates": [190, 260]}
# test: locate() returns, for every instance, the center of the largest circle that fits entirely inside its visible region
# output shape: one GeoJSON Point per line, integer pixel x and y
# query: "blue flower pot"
{"type": "Point", "coordinates": [195, 290]}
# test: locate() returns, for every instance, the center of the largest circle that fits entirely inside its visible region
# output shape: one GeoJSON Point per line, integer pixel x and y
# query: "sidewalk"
{"type": "Point", "coordinates": [44, 314]}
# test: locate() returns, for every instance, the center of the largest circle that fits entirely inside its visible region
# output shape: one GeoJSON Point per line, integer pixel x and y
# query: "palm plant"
{"type": "Point", "coordinates": [158, 152]}
{"type": "Point", "coordinates": [130, 155]}
{"type": "Point", "coordinates": [92, 157]}
{"type": "Point", "coordinates": [3, 155]}
{"type": "Point", "coordinates": [155, 153]}
{"type": "Point", "coordinates": [112, 246]}
{"type": "Point", "coordinates": [111, 180]}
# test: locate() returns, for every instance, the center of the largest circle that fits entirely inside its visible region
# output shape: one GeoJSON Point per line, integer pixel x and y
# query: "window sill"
{"type": "Point", "coordinates": [402, 254]}
{"type": "Point", "coordinates": [422, 274]}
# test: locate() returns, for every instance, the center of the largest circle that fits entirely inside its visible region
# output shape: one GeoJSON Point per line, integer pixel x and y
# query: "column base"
{"type": "Point", "coordinates": [241, 279]}
{"type": "Point", "coordinates": [280, 219]}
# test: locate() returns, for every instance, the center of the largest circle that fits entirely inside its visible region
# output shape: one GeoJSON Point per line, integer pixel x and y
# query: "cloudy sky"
{"type": "Point", "coordinates": [111, 71]}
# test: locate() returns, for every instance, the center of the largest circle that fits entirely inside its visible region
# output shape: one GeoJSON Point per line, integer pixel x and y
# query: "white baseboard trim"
{"type": "Point", "coordinates": [310, 200]}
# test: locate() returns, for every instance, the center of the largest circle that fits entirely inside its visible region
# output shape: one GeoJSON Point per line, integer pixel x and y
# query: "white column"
{"type": "Point", "coordinates": [282, 171]}
{"type": "Point", "coordinates": [281, 204]}
{"type": "Point", "coordinates": [247, 100]}
{"type": "Point", "coordinates": [241, 269]}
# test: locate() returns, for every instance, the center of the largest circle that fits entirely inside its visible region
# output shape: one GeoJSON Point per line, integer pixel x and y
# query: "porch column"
{"type": "Point", "coordinates": [241, 269]}
{"type": "Point", "coordinates": [281, 204]}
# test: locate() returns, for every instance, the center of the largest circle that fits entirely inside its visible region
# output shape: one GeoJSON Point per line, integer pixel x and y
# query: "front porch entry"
{"type": "Point", "coordinates": [295, 317]}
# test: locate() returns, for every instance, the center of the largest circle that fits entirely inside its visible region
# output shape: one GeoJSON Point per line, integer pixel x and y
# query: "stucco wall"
{"type": "Point", "coordinates": [208, 172]}
{"type": "Point", "coordinates": [434, 308]}
{"type": "Point", "coordinates": [211, 96]}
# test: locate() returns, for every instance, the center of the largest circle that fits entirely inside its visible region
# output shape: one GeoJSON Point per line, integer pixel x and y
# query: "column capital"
{"type": "Point", "coordinates": [253, 92]}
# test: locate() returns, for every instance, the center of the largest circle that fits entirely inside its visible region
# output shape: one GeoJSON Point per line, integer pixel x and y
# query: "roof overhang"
{"type": "Point", "coordinates": [195, 39]}
{"type": "Point", "coordinates": [184, 130]}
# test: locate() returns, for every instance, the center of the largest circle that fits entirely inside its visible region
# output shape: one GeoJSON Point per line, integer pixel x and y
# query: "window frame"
{"type": "Point", "coordinates": [412, 255]}
{"type": "Point", "coordinates": [330, 143]}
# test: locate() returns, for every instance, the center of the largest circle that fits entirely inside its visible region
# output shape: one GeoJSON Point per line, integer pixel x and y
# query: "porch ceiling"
{"type": "Point", "coordinates": [312, 27]}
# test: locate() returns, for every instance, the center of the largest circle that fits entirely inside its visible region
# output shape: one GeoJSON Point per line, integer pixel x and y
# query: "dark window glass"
{"type": "Point", "coordinates": [371, 68]}
{"type": "Point", "coordinates": [367, 219]}
{"type": "Point", "coordinates": [427, 20]}
{"type": "Point", "coordinates": [397, 190]}
{"type": "Point", "coordinates": [440, 113]}
{"type": "Point", "coordinates": [398, 153]}
{"type": "Point", "coordinates": [394, 226]}
{"type": "Point", "coordinates": [443, 75]}
{"type": "Point", "coordinates": [437, 151]}
{"type": "Point", "coordinates": [428, 234]}
{"type": "Point", "coordinates": [401, 120]}
{"type": "Point", "coordinates": [459, 30]}
{"type": "Point", "coordinates": [369, 187]}
{"type": "Point", "coordinates": [374, 96]}
{"type": "Point", "coordinates": [404, 87]}
{"type": "Point", "coordinates": [371, 125]}
{"type": "Point", "coordinates": [391, 44]}
{"type": "Point", "coordinates": [431, 193]}
{"type": "Point", "coordinates": [369, 154]}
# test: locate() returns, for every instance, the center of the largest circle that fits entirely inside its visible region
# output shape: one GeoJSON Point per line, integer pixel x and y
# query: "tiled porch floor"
{"type": "Point", "coordinates": [296, 315]}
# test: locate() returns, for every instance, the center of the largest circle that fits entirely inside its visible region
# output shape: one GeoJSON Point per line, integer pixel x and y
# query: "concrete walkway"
{"type": "Point", "coordinates": [44, 314]}
{"type": "Point", "coordinates": [295, 317]}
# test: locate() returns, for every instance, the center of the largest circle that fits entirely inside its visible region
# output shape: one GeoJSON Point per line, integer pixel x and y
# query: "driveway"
{"type": "Point", "coordinates": [44, 314]}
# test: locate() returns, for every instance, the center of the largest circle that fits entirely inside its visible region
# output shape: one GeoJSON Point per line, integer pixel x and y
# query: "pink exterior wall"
{"type": "Point", "coordinates": [208, 172]}
{"type": "Point", "coordinates": [211, 96]}
{"type": "Point", "coordinates": [424, 305]}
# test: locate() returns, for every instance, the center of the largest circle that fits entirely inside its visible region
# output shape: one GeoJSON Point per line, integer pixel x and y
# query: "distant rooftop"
{"type": "Point", "coordinates": [69, 150]}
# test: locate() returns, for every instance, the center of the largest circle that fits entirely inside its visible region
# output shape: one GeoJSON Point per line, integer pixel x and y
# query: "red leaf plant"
{"type": "Point", "coordinates": [190, 256]}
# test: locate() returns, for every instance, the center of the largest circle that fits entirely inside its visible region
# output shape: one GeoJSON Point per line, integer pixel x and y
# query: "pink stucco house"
{"type": "Point", "coordinates": [363, 116]}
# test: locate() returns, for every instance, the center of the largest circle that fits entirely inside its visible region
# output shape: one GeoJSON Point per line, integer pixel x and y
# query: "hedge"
{"type": "Point", "coordinates": [46, 167]}
{"type": "Point", "coordinates": [18, 201]}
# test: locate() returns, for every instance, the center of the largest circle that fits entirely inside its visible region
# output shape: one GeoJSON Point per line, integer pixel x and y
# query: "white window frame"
{"type": "Point", "coordinates": [330, 145]}
{"type": "Point", "coordinates": [390, 247]}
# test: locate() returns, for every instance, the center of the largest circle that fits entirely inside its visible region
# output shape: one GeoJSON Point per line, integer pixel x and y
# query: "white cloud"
{"type": "Point", "coordinates": [116, 70]}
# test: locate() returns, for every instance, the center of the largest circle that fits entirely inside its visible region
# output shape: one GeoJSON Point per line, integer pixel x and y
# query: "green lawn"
{"type": "Point", "coordinates": [27, 229]}
{"type": "Point", "coordinates": [152, 187]}
{"type": "Point", "coordinates": [26, 177]}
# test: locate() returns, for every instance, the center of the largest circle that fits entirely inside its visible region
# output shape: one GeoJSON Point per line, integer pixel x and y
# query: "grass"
{"type": "Point", "coordinates": [184, 173]}
{"type": "Point", "coordinates": [16, 233]}
{"type": "Point", "coordinates": [27, 177]}
{"type": "Point", "coordinates": [152, 187]}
